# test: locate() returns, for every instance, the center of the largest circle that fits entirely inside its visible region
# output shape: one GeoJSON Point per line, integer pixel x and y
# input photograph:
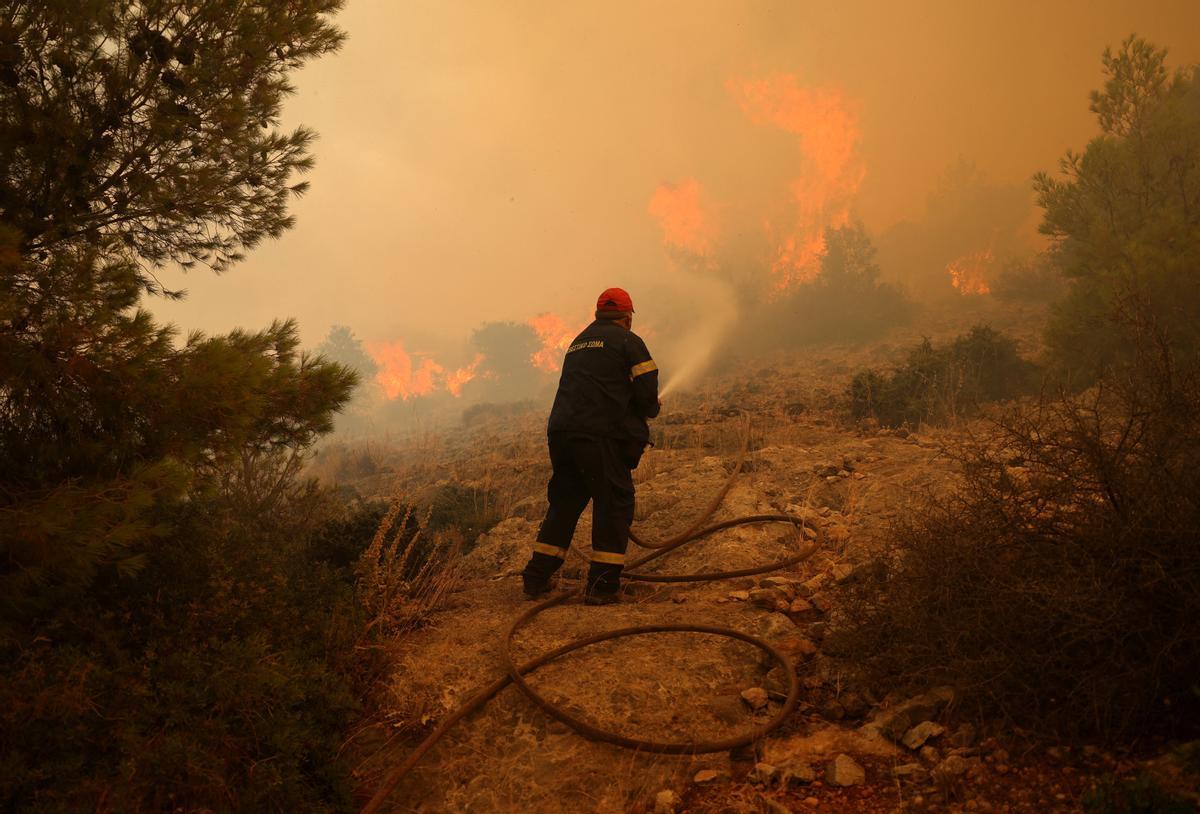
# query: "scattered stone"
{"type": "Point", "coordinates": [707, 776]}
{"type": "Point", "coordinates": [810, 533]}
{"type": "Point", "coordinates": [812, 801]}
{"type": "Point", "coordinates": [800, 605]}
{"type": "Point", "coordinates": [755, 697]}
{"type": "Point", "coordinates": [765, 598]}
{"type": "Point", "coordinates": [860, 476]}
{"type": "Point", "coordinates": [782, 583]}
{"type": "Point", "coordinates": [842, 571]}
{"type": "Point", "coordinates": [910, 771]}
{"type": "Point", "coordinates": [763, 773]}
{"type": "Point", "coordinates": [797, 647]}
{"type": "Point", "coordinates": [832, 479]}
{"type": "Point", "coordinates": [777, 624]}
{"type": "Point", "coordinates": [897, 720]}
{"type": "Point", "coordinates": [820, 602]}
{"type": "Point", "coordinates": [845, 771]}
{"type": "Point", "coordinates": [665, 802]}
{"type": "Point", "coordinates": [929, 754]}
{"type": "Point", "coordinates": [952, 767]}
{"type": "Point", "coordinates": [739, 596]}
{"type": "Point", "coordinates": [828, 470]}
{"type": "Point", "coordinates": [915, 737]}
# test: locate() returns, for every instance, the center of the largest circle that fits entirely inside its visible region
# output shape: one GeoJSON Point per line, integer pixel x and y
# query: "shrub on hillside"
{"type": "Point", "coordinates": [847, 301]}
{"type": "Point", "coordinates": [1034, 279]}
{"type": "Point", "coordinates": [1059, 584]}
{"type": "Point", "coordinates": [938, 384]}
{"type": "Point", "coordinates": [221, 677]}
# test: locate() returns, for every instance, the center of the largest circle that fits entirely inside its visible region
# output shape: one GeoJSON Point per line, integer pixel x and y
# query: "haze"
{"type": "Point", "coordinates": [494, 161]}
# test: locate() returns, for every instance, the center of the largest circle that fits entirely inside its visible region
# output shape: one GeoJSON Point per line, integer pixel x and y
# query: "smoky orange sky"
{"type": "Point", "coordinates": [487, 161]}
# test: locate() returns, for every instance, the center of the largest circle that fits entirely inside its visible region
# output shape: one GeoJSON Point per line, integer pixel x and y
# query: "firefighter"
{"type": "Point", "coordinates": [597, 432]}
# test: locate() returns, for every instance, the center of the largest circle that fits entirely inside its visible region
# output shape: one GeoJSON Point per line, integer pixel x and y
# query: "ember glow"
{"type": "Point", "coordinates": [687, 222]}
{"type": "Point", "coordinates": [968, 274]}
{"type": "Point", "coordinates": [401, 374]}
{"type": "Point", "coordinates": [831, 173]}
{"type": "Point", "coordinates": [555, 335]}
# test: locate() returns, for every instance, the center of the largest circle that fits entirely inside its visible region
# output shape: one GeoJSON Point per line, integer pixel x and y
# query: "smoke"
{"type": "Point", "coordinates": [690, 153]}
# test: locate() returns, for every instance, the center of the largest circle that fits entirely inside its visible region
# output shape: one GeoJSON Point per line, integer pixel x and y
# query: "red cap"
{"type": "Point", "coordinates": [615, 299]}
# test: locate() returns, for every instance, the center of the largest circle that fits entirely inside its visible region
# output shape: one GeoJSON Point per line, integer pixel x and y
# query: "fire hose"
{"type": "Point", "coordinates": [516, 673]}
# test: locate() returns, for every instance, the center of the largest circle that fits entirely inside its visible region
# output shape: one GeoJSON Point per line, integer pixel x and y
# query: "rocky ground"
{"type": "Point", "coordinates": [849, 747]}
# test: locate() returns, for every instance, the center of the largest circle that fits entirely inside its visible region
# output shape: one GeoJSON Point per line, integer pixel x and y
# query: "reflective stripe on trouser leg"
{"type": "Point", "coordinates": [549, 550]}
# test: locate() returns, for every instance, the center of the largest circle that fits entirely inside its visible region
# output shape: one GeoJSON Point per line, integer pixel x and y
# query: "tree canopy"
{"type": "Point", "coordinates": [150, 129]}
{"type": "Point", "coordinates": [1124, 215]}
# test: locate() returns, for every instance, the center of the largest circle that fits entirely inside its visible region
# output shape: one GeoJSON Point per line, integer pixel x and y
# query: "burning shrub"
{"type": "Point", "coordinates": [940, 384]}
{"type": "Point", "coordinates": [846, 302]}
{"type": "Point", "coordinates": [1059, 586]}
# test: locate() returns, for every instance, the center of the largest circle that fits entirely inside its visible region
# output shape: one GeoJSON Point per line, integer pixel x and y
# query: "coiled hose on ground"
{"type": "Point", "coordinates": [516, 673]}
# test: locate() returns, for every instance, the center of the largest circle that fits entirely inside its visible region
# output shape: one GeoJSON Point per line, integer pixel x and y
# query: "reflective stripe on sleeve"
{"type": "Point", "coordinates": [549, 550]}
{"type": "Point", "coordinates": [642, 368]}
{"type": "Point", "coordinates": [608, 558]}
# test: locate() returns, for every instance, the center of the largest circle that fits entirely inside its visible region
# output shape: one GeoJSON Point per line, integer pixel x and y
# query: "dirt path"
{"type": "Point", "coordinates": [512, 757]}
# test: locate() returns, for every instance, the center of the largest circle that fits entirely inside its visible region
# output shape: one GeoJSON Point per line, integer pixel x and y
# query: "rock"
{"type": "Point", "coordinates": [812, 801]}
{"type": "Point", "coordinates": [831, 711]}
{"type": "Point", "coordinates": [782, 583]}
{"type": "Point", "coordinates": [707, 776]}
{"type": "Point", "coordinates": [739, 596]}
{"type": "Point", "coordinates": [765, 598]}
{"type": "Point", "coordinates": [910, 771]}
{"type": "Point", "coordinates": [755, 697]}
{"type": "Point", "coordinates": [665, 802]}
{"type": "Point", "coordinates": [951, 768]}
{"type": "Point", "coordinates": [777, 624]}
{"type": "Point", "coordinates": [800, 605]}
{"type": "Point", "coordinates": [796, 774]}
{"type": "Point", "coordinates": [797, 647]}
{"type": "Point", "coordinates": [845, 771]}
{"type": "Point", "coordinates": [763, 773]}
{"type": "Point", "coordinates": [820, 602]}
{"type": "Point", "coordinates": [728, 709]}
{"type": "Point", "coordinates": [897, 720]}
{"type": "Point", "coordinates": [930, 754]}
{"type": "Point", "coordinates": [963, 736]}
{"type": "Point", "coordinates": [776, 681]}
{"type": "Point", "coordinates": [842, 571]}
{"type": "Point", "coordinates": [810, 533]}
{"type": "Point", "coordinates": [828, 470]}
{"type": "Point", "coordinates": [854, 704]}
{"type": "Point", "coordinates": [915, 737]}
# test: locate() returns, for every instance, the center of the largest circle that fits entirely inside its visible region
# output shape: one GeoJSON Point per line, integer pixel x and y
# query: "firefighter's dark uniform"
{"type": "Point", "coordinates": [597, 432]}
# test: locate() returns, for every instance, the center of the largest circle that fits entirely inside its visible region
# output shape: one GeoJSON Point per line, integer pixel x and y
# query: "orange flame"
{"type": "Point", "coordinates": [457, 378]}
{"type": "Point", "coordinates": [685, 220]}
{"type": "Point", "coordinates": [832, 172]}
{"type": "Point", "coordinates": [968, 273]}
{"type": "Point", "coordinates": [556, 337]}
{"type": "Point", "coordinates": [398, 375]}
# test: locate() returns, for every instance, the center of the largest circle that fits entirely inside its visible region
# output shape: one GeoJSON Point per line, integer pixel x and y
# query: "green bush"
{"type": "Point", "coordinates": [936, 385]}
{"type": "Point", "coordinates": [1033, 279]}
{"type": "Point", "coordinates": [1123, 217]}
{"type": "Point", "coordinates": [1058, 584]}
{"type": "Point", "coordinates": [1140, 795]}
{"type": "Point", "coordinates": [222, 677]}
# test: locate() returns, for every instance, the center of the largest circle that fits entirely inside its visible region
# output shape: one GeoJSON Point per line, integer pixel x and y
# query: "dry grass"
{"type": "Point", "coordinates": [405, 575]}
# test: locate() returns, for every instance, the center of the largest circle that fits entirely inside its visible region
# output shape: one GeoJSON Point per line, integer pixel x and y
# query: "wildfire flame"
{"type": "Point", "coordinates": [832, 171]}
{"type": "Point", "coordinates": [685, 220]}
{"type": "Point", "coordinates": [555, 336]}
{"type": "Point", "coordinates": [457, 378]}
{"type": "Point", "coordinates": [401, 374]}
{"type": "Point", "coordinates": [968, 273]}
